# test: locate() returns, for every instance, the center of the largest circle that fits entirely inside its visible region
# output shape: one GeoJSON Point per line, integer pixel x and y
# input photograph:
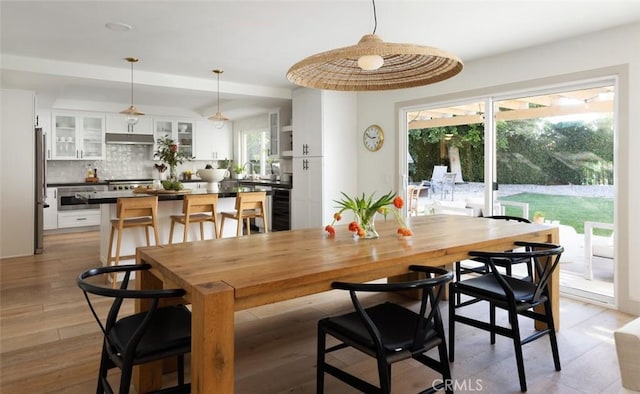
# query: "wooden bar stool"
{"type": "Point", "coordinates": [196, 209]}
{"type": "Point", "coordinates": [132, 212]}
{"type": "Point", "coordinates": [248, 205]}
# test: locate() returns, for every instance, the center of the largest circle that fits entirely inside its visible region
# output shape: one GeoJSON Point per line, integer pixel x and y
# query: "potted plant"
{"type": "Point", "coordinates": [238, 171]}
{"type": "Point", "coordinates": [538, 217]}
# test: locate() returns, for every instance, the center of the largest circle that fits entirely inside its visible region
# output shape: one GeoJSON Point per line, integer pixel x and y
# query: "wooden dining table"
{"type": "Point", "coordinates": [222, 276]}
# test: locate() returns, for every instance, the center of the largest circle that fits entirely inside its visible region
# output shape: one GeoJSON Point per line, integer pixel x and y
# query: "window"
{"type": "Point", "coordinates": [254, 150]}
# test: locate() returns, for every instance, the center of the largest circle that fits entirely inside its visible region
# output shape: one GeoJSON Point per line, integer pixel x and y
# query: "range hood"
{"type": "Point", "coordinates": [129, 139]}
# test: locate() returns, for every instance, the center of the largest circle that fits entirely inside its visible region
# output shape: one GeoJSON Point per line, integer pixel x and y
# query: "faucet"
{"type": "Point", "coordinates": [250, 167]}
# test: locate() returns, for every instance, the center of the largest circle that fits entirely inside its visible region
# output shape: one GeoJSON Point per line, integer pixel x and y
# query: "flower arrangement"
{"type": "Point", "coordinates": [365, 209]}
{"type": "Point", "coordinates": [169, 153]}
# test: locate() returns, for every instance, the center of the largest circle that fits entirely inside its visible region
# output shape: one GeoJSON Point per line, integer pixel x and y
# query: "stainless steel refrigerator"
{"type": "Point", "coordinates": [40, 189]}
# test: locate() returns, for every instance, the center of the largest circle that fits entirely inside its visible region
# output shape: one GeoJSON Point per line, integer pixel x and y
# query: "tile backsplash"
{"type": "Point", "coordinates": [122, 162]}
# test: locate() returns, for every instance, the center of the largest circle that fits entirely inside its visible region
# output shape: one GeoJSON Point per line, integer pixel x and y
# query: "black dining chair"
{"type": "Point", "coordinates": [389, 332]}
{"type": "Point", "coordinates": [479, 267]}
{"type": "Point", "coordinates": [517, 296]}
{"type": "Point", "coordinates": [158, 333]}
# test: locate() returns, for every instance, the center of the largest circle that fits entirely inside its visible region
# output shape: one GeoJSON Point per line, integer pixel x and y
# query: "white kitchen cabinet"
{"type": "Point", "coordinates": [50, 221]}
{"type": "Point", "coordinates": [307, 121]}
{"type": "Point", "coordinates": [286, 141]}
{"type": "Point", "coordinates": [307, 193]}
{"type": "Point", "coordinates": [117, 123]}
{"type": "Point", "coordinates": [274, 130]}
{"type": "Point", "coordinates": [79, 218]}
{"type": "Point", "coordinates": [321, 173]}
{"type": "Point", "coordinates": [77, 136]}
{"type": "Point", "coordinates": [180, 131]}
{"type": "Point", "coordinates": [211, 143]}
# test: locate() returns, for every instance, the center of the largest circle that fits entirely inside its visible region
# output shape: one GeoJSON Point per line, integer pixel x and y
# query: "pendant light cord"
{"type": "Point", "coordinates": [131, 84]}
{"type": "Point", "coordinates": [218, 74]}
{"type": "Point", "coordinates": [375, 17]}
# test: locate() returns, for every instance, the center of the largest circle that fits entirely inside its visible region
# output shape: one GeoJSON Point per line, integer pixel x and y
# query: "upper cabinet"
{"type": "Point", "coordinates": [180, 131]}
{"type": "Point", "coordinates": [77, 136]}
{"type": "Point", "coordinates": [286, 141]}
{"type": "Point", "coordinates": [117, 123]}
{"type": "Point", "coordinates": [308, 118]}
{"type": "Point", "coordinates": [213, 144]}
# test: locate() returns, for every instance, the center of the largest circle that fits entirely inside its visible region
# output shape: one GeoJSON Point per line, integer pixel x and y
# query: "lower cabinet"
{"type": "Point", "coordinates": [79, 218]}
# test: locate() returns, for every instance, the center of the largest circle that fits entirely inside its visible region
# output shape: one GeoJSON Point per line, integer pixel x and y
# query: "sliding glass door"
{"type": "Point", "coordinates": [545, 155]}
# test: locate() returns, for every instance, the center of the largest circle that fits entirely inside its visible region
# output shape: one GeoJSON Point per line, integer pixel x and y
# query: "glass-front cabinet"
{"type": "Point", "coordinates": [180, 131]}
{"type": "Point", "coordinates": [77, 137]}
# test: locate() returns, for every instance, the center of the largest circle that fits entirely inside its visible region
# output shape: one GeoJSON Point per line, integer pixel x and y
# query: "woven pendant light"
{"type": "Point", "coordinates": [132, 112]}
{"type": "Point", "coordinates": [218, 119]}
{"type": "Point", "coordinates": [373, 64]}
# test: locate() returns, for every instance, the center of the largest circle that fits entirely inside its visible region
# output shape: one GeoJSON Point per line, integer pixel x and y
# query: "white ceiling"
{"type": "Point", "coordinates": [62, 50]}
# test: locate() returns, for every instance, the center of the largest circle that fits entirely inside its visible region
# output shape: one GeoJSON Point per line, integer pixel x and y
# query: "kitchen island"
{"type": "Point", "coordinates": [168, 204]}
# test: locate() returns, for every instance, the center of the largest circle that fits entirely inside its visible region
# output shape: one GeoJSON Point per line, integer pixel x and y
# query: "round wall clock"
{"type": "Point", "coordinates": [373, 137]}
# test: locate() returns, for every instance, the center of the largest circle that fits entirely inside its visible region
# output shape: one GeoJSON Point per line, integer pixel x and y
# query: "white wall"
{"type": "Point", "coordinates": [610, 52]}
{"type": "Point", "coordinates": [17, 173]}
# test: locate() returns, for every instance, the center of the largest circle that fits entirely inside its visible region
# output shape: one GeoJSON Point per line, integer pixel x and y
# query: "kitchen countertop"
{"type": "Point", "coordinates": [111, 197]}
{"type": "Point", "coordinates": [261, 182]}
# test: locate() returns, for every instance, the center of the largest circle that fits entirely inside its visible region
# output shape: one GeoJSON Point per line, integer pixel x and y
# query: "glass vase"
{"type": "Point", "coordinates": [173, 174]}
{"type": "Point", "coordinates": [368, 225]}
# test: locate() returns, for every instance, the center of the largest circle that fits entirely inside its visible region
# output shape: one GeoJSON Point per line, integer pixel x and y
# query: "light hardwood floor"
{"type": "Point", "coordinates": [49, 342]}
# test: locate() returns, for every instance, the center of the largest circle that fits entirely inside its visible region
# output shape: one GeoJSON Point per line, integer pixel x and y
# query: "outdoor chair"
{"type": "Point", "coordinates": [518, 297]}
{"type": "Point", "coordinates": [389, 332]}
{"type": "Point", "coordinates": [435, 182]}
{"type": "Point", "coordinates": [414, 197]}
{"type": "Point", "coordinates": [156, 334]}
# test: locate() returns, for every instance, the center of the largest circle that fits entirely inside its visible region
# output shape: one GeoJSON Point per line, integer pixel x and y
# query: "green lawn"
{"type": "Point", "coordinates": [569, 210]}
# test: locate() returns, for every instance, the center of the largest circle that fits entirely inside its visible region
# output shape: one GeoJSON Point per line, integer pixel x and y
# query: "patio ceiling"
{"type": "Point", "coordinates": [584, 101]}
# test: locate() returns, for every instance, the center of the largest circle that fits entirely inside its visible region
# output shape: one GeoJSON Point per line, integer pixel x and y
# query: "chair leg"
{"type": "Point", "coordinates": [458, 274]}
{"type": "Point", "coordinates": [552, 335]}
{"type": "Point", "coordinates": [110, 251]}
{"type": "Point", "coordinates": [146, 235]}
{"type": "Point", "coordinates": [202, 231]}
{"type": "Point", "coordinates": [125, 378]}
{"type": "Point", "coordinates": [105, 364]}
{"type": "Point", "coordinates": [221, 227]}
{"type": "Point", "coordinates": [384, 376]}
{"type": "Point", "coordinates": [517, 345]}
{"type": "Point", "coordinates": [444, 362]}
{"type": "Point", "coordinates": [185, 235]}
{"type": "Point", "coordinates": [173, 223]}
{"type": "Point", "coordinates": [320, 355]}
{"type": "Point", "coordinates": [117, 257]}
{"type": "Point", "coordinates": [452, 320]}
{"type": "Point", "coordinates": [248, 226]}
{"type": "Point", "coordinates": [492, 321]}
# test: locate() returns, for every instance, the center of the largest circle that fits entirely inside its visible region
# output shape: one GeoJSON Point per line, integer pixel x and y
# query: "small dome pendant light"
{"type": "Point", "coordinates": [218, 119]}
{"type": "Point", "coordinates": [373, 65]}
{"type": "Point", "coordinates": [132, 112]}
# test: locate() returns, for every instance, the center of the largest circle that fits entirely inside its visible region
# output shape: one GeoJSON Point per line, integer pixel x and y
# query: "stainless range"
{"type": "Point", "coordinates": [129, 184]}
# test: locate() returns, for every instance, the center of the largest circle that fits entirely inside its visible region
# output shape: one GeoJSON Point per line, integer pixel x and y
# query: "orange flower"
{"type": "Point", "coordinates": [353, 226]}
{"type": "Point", "coordinates": [360, 232]}
{"type": "Point", "coordinates": [330, 229]}
{"type": "Point", "coordinates": [337, 216]}
{"type": "Point", "coordinates": [405, 232]}
{"type": "Point", "coordinates": [398, 202]}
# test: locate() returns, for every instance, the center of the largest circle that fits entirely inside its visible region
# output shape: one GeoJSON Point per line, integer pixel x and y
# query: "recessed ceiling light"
{"type": "Point", "coordinates": [118, 26]}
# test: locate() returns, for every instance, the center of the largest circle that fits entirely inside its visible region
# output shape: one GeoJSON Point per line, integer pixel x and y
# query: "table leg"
{"type": "Point", "coordinates": [212, 339]}
{"type": "Point", "coordinates": [147, 377]}
{"type": "Point", "coordinates": [554, 287]}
